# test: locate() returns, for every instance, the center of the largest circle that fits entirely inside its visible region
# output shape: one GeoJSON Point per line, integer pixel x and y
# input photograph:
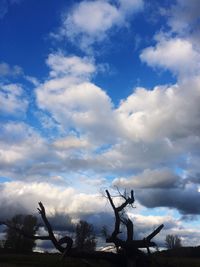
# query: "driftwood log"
{"type": "Point", "coordinates": [128, 253]}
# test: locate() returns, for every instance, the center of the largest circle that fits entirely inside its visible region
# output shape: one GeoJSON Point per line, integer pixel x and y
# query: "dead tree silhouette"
{"type": "Point", "coordinates": [128, 253]}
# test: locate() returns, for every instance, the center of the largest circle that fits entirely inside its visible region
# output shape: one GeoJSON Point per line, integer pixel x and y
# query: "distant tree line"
{"type": "Point", "coordinates": [15, 240]}
{"type": "Point", "coordinates": [172, 241]}
{"type": "Point", "coordinates": [85, 238]}
{"type": "Point", "coordinates": [21, 234]}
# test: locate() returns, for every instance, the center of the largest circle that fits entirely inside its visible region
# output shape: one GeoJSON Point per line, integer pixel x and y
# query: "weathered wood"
{"type": "Point", "coordinates": [154, 233]}
{"type": "Point", "coordinates": [128, 251]}
{"type": "Point", "coordinates": [52, 237]}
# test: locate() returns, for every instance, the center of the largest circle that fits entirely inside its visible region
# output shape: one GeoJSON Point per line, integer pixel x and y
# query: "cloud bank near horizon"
{"type": "Point", "coordinates": [149, 141]}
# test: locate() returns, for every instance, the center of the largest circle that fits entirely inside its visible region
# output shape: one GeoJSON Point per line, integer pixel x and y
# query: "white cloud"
{"type": "Point", "coordinates": [104, 16]}
{"type": "Point", "coordinates": [183, 16]}
{"type": "Point", "coordinates": [89, 21]}
{"type": "Point", "coordinates": [61, 202]}
{"type": "Point", "coordinates": [96, 182]}
{"type": "Point", "coordinates": [12, 99]}
{"type": "Point", "coordinates": [71, 142]}
{"type": "Point", "coordinates": [22, 197]}
{"type": "Point", "coordinates": [78, 105]}
{"type": "Point", "coordinates": [145, 224]}
{"type": "Point", "coordinates": [71, 65]}
{"type": "Point", "coordinates": [163, 112]}
{"type": "Point", "coordinates": [177, 45]}
{"type": "Point", "coordinates": [150, 133]}
{"type": "Point", "coordinates": [84, 29]}
{"type": "Point", "coordinates": [18, 155]}
{"type": "Point", "coordinates": [32, 80]}
{"type": "Point", "coordinates": [75, 102]}
{"type": "Point", "coordinates": [149, 130]}
{"type": "Point", "coordinates": [129, 6]}
{"type": "Point", "coordinates": [175, 54]}
{"type": "Point", "coordinates": [109, 140]}
{"type": "Point", "coordinates": [7, 70]}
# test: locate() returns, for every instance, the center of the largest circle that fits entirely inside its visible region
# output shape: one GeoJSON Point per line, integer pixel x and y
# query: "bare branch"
{"type": "Point", "coordinates": [49, 229]}
{"type": "Point", "coordinates": [154, 233]}
{"type": "Point", "coordinates": [129, 246]}
{"type": "Point", "coordinates": [128, 201]}
{"type": "Point", "coordinates": [117, 221]}
{"type": "Point", "coordinates": [129, 228]}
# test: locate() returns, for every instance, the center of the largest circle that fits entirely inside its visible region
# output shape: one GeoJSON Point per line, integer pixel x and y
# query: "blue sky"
{"type": "Point", "coordinates": [98, 94]}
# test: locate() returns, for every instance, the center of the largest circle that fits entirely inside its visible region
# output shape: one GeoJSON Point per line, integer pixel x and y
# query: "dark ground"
{"type": "Point", "coordinates": [182, 257]}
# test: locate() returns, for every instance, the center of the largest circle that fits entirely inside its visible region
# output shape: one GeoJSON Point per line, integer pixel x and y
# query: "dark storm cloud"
{"type": "Point", "coordinates": [159, 178]}
{"type": "Point", "coordinates": [98, 220]}
{"type": "Point", "coordinates": [61, 222]}
{"type": "Point", "coordinates": [184, 200]}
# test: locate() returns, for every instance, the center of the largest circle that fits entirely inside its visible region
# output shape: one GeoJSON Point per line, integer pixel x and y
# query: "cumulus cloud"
{"type": "Point", "coordinates": [162, 149]}
{"type": "Point", "coordinates": [161, 188]}
{"type": "Point", "coordinates": [65, 205]}
{"type": "Point", "coordinates": [71, 65]}
{"type": "Point", "coordinates": [186, 201]}
{"type": "Point", "coordinates": [74, 101]}
{"type": "Point", "coordinates": [96, 182]}
{"type": "Point", "coordinates": [144, 224]}
{"type": "Point", "coordinates": [17, 154]}
{"type": "Point", "coordinates": [22, 197]}
{"type": "Point", "coordinates": [149, 130]}
{"type": "Point", "coordinates": [71, 142]}
{"type": "Point", "coordinates": [174, 54]}
{"type": "Point", "coordinates": [78, 26]}
{"type": "Point", "coordinates": [163, 112]}
{"type": "Point", "coordinates": [141, 141]}
{"type": "Point", "coordinates": [51, 161]}
{"type": "Point", "coordinates": [12, 100]}
{"type": "Point", "coordinates": [105, 15]}
{"type": "Point", "coordinates": [78, 105]}
{"type": "Point", "coordinates": [163, 178]}
{"type": "Point", "coordinates": [177, 45]}
{"type": "Point", "coordinates": [183, 16]}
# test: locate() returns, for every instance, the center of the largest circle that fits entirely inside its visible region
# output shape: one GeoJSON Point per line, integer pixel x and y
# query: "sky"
{"type": "Point", "coordinates": [99, 94]}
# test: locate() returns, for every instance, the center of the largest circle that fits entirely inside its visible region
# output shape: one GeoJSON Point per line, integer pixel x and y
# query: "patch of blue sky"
{"type": "Point", "coordinates": [27, 42]}
{"type": "Point", "coordinates": [110, 177]}
{"type": "Point", "coordinates": [161, 211]}
{"type": "Point", "coordinates": [103, 148]}
{"type": "Point", "coordinates": [17, 25]}
{"type": "Point", "coordinates": [180, 171]}
{"type": "Point", "coordinates": [5, 179]}
{"type": "Point", "coordinates": [191, 221]}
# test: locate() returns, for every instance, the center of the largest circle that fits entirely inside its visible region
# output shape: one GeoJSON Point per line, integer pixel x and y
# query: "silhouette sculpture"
{"type": "Point", "coordinates": [128, 253]}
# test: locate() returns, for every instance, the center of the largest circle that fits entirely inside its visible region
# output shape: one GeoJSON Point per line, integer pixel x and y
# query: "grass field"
{"type": "Point", "coordinates": [53, 260]}
{"type": "Point", "coordinates": [178, 262]}
{"type": "Point", "coordinates": [45, 260]}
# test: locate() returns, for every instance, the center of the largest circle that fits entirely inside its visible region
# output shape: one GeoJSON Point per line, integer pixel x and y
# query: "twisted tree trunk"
{"type": "Point", "coordinates": [128, 253]}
